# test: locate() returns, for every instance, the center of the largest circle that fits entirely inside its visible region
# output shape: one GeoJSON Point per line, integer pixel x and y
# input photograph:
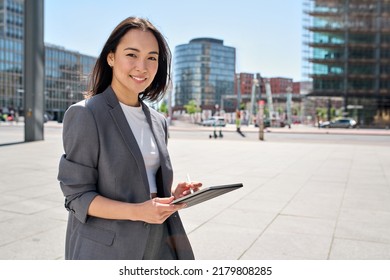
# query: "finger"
{"type": "Point", "coordinates": [167, 207]}
{"type": "Point", "coordinates": [182, 184]}
{"type": "Point", "coordinates": [193, 186]}
{"type": "Point", "coordinates": [163, 200]}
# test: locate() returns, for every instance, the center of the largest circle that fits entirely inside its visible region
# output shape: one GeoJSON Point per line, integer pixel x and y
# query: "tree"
{"type": "Point", "coordinates": [164, 107]}
{"type": "Point", "coordinates": [192, 107]}
{"type": "Point", "coordinates": [322, 113]}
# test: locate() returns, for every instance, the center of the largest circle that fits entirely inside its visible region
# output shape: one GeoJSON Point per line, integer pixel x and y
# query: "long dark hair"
{"type": "Point", "coordinates": [102, 72]}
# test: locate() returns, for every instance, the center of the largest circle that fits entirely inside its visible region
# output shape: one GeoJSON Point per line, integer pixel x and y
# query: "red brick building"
{"type": "Point", "coordinates": [280, 85]}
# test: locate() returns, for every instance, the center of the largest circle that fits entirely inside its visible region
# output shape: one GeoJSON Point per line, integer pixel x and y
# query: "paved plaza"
{"type": "Point", "coordinates": [305, 200]}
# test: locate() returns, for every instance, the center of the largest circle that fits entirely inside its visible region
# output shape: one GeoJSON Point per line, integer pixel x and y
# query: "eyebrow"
{"type": "Point", "coordinates": [137, 50]}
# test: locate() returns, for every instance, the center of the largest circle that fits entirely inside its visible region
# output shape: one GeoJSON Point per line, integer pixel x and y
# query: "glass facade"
{"type": "Point", "coordinates": [348, 49]}
{"type": "Point", "coordinates": [66, 78]}
{"type": "Point", "coordinates": [66, 72]}
{"type": "Point", "coordinates": [204, 71]}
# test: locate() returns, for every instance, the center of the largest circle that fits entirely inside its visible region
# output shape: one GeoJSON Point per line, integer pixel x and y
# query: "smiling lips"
{"type": "Point", "coordinates": [139, 79]}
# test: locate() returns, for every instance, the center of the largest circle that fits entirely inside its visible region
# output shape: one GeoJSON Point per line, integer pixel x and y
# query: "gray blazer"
{"type": "Point", "coordinates": [102, 157]}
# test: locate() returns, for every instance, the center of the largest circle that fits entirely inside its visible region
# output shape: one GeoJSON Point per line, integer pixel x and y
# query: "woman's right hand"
{"type": "Point", "coordinates": [157, 210]}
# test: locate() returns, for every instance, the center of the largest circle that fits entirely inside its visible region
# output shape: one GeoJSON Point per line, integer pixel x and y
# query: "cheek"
{"type": "Point", "coordinates": [154, 69]}
{"type": "Point", "coordinates": [117, 68]}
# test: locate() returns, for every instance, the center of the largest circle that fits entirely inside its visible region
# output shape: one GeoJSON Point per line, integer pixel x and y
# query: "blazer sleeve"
{"type": "Point", "coordinates": [78, 173]}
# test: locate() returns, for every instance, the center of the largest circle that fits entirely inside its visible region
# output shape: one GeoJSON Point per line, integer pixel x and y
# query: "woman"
{"type": "Point", "coordinates": [116, 174]}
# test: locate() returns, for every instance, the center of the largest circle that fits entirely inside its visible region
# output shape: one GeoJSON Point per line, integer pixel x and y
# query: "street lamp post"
{"type": "Point", "coordinates": [260, 120]}
{"type": "Point", "coordinates": [288, 105]}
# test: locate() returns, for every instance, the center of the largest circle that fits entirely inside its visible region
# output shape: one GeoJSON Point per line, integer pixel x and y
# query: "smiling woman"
{"type": "Point", "coordinates": [116, 174]}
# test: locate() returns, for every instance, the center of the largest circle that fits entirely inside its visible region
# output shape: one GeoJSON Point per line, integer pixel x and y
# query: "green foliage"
{"type": "Point", "coordinates": [296, 110]}
{"type": "Point", "coordinates": [280, 110]}
{"type": "Point", "coordinates": [266, 112]}
{"type": "Point", "coordinates": [164, 107]}
{"type": "Point", "coordinates": [192, 107]}
{"type": "Point", "coordinates": [322, 112]}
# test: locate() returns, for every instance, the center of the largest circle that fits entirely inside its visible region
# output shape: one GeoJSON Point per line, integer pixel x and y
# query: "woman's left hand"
{"type": "Point", "coordinates": [184, 188]}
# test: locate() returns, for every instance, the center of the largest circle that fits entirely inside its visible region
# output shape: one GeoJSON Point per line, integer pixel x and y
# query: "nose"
{"type": "Point", "coordinates": [140, 65]}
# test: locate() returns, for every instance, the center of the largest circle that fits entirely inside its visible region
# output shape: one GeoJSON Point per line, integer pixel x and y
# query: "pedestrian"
{"type": "Point", "coordinates": [116, 173]}
{"type": "Point", "coordinates": [238, 120]}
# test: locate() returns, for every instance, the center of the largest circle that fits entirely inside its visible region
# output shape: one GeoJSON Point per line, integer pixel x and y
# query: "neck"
{"type": "Point", "coordinates": [130, 99]}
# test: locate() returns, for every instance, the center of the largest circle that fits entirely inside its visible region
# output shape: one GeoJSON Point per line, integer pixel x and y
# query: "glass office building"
{"type": "Point", "coordinates": [204, 71]}
{"type": "Point", "coordinates": [348, 50]}
{"type": "Point", "coordinates": [66, 72]}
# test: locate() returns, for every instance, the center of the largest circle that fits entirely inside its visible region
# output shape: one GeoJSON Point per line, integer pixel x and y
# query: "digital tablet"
{"type": "Point", "coordinates": [206, 193]}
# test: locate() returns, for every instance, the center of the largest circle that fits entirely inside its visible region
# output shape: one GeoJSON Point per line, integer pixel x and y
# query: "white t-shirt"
{"type": "Point", "coordinates": [146, 142]}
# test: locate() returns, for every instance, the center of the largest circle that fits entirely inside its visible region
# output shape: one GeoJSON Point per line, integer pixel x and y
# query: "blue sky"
{"type": "Point", "coordinates": [267, 34]}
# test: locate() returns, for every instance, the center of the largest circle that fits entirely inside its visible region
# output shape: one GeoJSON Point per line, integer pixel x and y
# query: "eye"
{"type": "Point", "coordinates": [153, 58]}
{"type": "Point", "coordinates": [131, 55]}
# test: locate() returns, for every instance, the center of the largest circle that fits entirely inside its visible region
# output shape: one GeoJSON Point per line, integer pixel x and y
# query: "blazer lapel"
{"type": "Point", "coordinates": [126, 133]}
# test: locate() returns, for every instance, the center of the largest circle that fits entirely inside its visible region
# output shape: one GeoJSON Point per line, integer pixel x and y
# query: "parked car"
{"type": "Point", "coordinates": [214, 121]}
{"type": "Point", "coordinates": [339, 123]}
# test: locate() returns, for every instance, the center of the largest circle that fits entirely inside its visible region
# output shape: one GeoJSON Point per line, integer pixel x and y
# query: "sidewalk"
{"type": "Point", "coordinates": [299, 200]}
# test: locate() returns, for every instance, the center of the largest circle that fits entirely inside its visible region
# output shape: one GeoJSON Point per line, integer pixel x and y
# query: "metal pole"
{"type": "Point", "coordinates": [261, 120]}
{"type": "Point", "coordinates": [288, 99]}
{"type": "Point", "coordinates": [34, 51]}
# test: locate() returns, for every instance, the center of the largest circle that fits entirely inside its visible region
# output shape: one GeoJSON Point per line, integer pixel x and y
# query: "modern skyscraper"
{"type": "Point", "coordinates": [348, 50]}
{"type": "Point", "coordinates": [66, 72]}
{"type": "Point", "coordinates": [204, 71]}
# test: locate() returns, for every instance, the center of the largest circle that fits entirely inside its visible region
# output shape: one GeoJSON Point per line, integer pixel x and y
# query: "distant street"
{"type": "Point", "coordinates": [348, 137]}
{"type": "Point", "coordinates": [15, 133]}
{"type": "Point", "coordinates": [297, 133]}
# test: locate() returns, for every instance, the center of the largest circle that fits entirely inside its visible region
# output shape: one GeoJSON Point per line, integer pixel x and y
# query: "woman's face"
{"type": "Point", "coordinates": [134, 64]}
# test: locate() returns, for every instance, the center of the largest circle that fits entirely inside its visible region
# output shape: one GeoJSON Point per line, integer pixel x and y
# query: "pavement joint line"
{"type": "Point", "coordinates": [279, 213]}
{"type": "Point", "coordinates": [338, 216]}
{"type": "Point", "coordinates": [260, 234]}
{"type": "Point", "coordinates": [222, 210]}
{"type": "Point", "coordinates": [363, 240]}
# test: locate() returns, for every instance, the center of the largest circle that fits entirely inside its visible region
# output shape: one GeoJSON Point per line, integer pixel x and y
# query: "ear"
{"type": "Point", "coordinates": [110, 59]}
